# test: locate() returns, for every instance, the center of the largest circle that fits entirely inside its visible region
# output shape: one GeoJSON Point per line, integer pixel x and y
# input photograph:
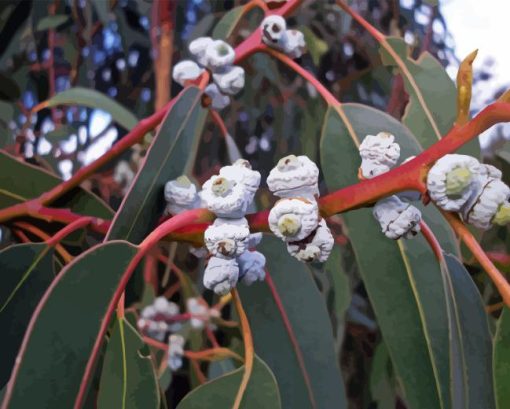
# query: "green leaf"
{"type": "Point", "coordinates": [23, 181]}
{"type": "Point", "coordinates": [261, 392]}
{"type": "Point", "coordinates": [382, 387]}
{"type": "Point", "coordinates": [431, 111]}
{"type": "Point", "coordinates": [315, 45]}
{"type": "Point", "coordinates": [63, 330]}
{"type": "Point", "coordinates": [475, 346]}
{"type": "Point", "coordinates": [103, 10]}
{"type": "Point", "coordinates": [9, 89]}
{"type": "Point", "coordinates": [395, 274]}
{"type": "Point", "coordinates": [128, 379]}
{"type": "Point", "coordinates": [61, 133]}
{"type": "Point", "coordinates": [170, 155]}
{"type": "Point", "coordinates": [227, 24]}
{"type": "Point", "coordinates": [501, 360]}
{"type": "Point", "coordinates": [307, 369]}
{"type": "Point", "coordinates": [94, 99]}
{"type": "Point", "coordinates": [50, 22]}
{"type": "Point", "coordinates": [27, 271]}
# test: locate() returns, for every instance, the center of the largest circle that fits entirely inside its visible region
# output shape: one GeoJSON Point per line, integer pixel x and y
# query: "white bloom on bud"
{"type": "Point", "coordinates": [123, 175]}
{"type": "Point", "coordinates": [273, 30]}
{"type": "Point", "coordinates": [293, 219]}
{"type": "Point", "coordinates": [230, 80]}
{"type": "Point", "coordinates": [453, 180]}
{"type": "Point", "coordinates": [154, 316]}
{"type": "Point", "coordinates": [379, 153]}
{"type": "Point", "coordinates": [175, 351]}
{"type": "Point", "coordinates": [181, 195]}
{"type": "Point", "coordinates": [199, 311]}
{"type": "Point", "coordinates": [316, 247]}
{"type": "Point", "coordinates": [251, 267]}
{"type": "Point", "coordinates": [254, 240]}
{"type": "Point", "coordinates": [490, 171]}
{"type": "Point", "coordinates": [491, 205]}
{"type": "Point", "coordinates": [294, 176]}
{"type": "Point", "coordinates": [219, 101]}
{"type": "Point", "coordinates": [186, 70]}
{"type": "Point", "coordinates": [225, 197]}
{"type": "Point", "coordinates": [219, 55]}
{"type": "Point", "coordinates": [198, 252]}
{"type": "Point", "coordinates": [227, 238]}
{"type": "Point", "coordinates": [221, 275]}
{"type": "Point", "coordinates": [294, 43]}
{"type": "Point", "coordinates": [241, 172]}
{"type": "Point", "coordinates": [198, 48]}
{"type": "Point", "coordinates": [397, 219]}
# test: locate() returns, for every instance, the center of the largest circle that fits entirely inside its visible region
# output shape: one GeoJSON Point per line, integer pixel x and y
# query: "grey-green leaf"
{"type": "Point", "coordinates": [50, 22]}
{"type": "Point", "coordinates": [228, 23]}
{"type": "Point", "coordinates": [501, 360]}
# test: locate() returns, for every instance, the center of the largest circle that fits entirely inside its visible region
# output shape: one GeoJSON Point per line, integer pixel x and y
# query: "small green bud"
{"type": "Point", "coordinates": [222, 50]}
{"type": "Point", "coordinates": [457, 180]}
{"type": "Point", "coordinates": [502, 216]}
{"type": "Point", "coordinates": [289, 225]}
{"type": "Point", "coordinates": [183, 181]}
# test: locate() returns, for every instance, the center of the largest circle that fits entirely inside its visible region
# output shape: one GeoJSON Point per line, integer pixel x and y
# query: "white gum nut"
{"type": "Point", "coordinates": [219, 101]}
{"type": "Point", "coordinates": [198, 48]}
{"type": "Point", "coordinates": [181, 195]}
{"type": "Point", "coordinates": [219, 55]}
{"type": "Point", "coordinates": [221, 275]}
{"type": "Point", "coordinates": [317, 249]}
{"type": "Point", "coordinates": [175, 351]}
{"type": "Point", "coordinates": [241, 172]}
{"type": "Point", "coordinates": [490, 171]}
{"type": "Point", "coordinates": [453, 170]}
{"type": "Point", "coordinates": [230, 80]}
{"type": "Point", "coordinates": [199, 252]}
{"type": "Point", "coordinates": [492, 197]}
{"type": "Point", "coordinates": [199, 311]}
{"type": "Point", "coordinates": [123, 174]}
{"type": "Point", "coordinates": [225, 197]}
{"type": "Point", "coordinates": [397, 219]}
{"type": "Point", "coordinates": [293, 219]}
{"type": "Point", "coordinates": [273, 30]}
{"type": "Point", "coordinates": [294, 43]}
{"type": "Point", "coordinates": [254, 240]}
{"type": "Point", "coordinates": [294, 176]}
{"type": "Point", "coordinates": [227, 238]}
{"type": "Point", "coordinates": [379, 153]}
{"type": "Point", "coordinates": [251, 267]}
{"type": "Point", "coordinates": [186, 70]}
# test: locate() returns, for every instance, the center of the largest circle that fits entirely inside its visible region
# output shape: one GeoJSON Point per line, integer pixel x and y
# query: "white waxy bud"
{"type": "Point", "coordinates": [293, 219]}
{"type": "Point", "coordinates": [198, 48]}
{"type": "Point", "coordinates": [148, 312]}
{"type": "Point", "coordinates": [186, 70]}
{"type": "Point", "coordinates": [379, 153]}
{"type": "Point", "coordinates": [123, 175]}
{"type": "Point", "coordinates": [453, 180]}
{"type": "Point", "coordinates": [226, 198]}
{"type": "Point", "coordinates": [241, 172]}
{"type": "Point", "coordinates": [397, 219]}
{"type": "Point", "coordinates": [219, 55]}
{"type": "Point", "coordinates": [254, 240]}
{"type": "Point", "coordinates": [175, 351]}
{"type": "Point", "coordinates": [219, 101]}
{"type": "Point", "coordinates": [317, 247]}
{"type": "Point", "coordinates": [294, 176]}
{"type": "Point", "coordinates": [294, 43]}
{"type": "Point", "coordinates": [160, 305]}
{"type": "Point", "coordinates": [231, 80]}
{"type": "Point", "coordinates": [273, 30]}
{"type": "Point", "coordinates": [227, 238]}
{"type": "Point", "coordinates": [199, 252]}
{"type": "Point", "coordinates": [491, 205]}
{"type": "Point", "coordinates": [199, 311]}
{"type": "Point", "coordinates": [181, 195]}
{"type": "Point", "coordinates": [221, 275]}
{"type": "Point", "coordinates": [490, 171]}
{"type": "Point", "coordinates": [251, 267]}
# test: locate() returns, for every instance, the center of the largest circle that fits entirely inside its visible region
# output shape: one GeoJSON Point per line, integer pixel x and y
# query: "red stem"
{"type": "Point", "coordinates": [76, 225]}
{"type": "Point", "coordinates": [432, 240]}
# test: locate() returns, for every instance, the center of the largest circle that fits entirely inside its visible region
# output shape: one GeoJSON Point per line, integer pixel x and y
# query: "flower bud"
{"type": "Point", "coordinates": [293, 219]}
{"type": "Point", "coordinates": [225, 197]}
{"type": "Point", "coordinates": [397, 219]}
{"type": "Point", "coordinates": [379, 153]}
{"type": "Point", "coordinates": [491, 205]}
{"type": "Point", "coordinates": [251, 267]}
{"type": "Point", "coordinates": [175, 351]}
{"type": "Point", "coordinates": [231, 80]}
{"type": "Point", "coordinates": [198, 49]}
{"type": "Point", "coordinates": [199, 311]}
{"type": "Point", "coordinates": [219, 55]}
{"type": "Point", "coordinates": [294, 43]}
{"type": "Point", "coordinates": [181, 195]}
{"type": "Point", "coordinates": [227, 238]}
{"type": "Point", "coordinates": [453, 180]}
{"type": "Point", "coordinates": [219, 101]}
{"type": "Point", "coordinates": [241, 172]}
{"type": "Point", "coordinates": [273, 30]}
{"type": "Point", "coordinates": [254, 240]}
{"type": "Point", "coordinates": [316, 247]}
{"type": "Point", "coordinates": [186, 70]}
{"type": "Point", "coordinates": [294, 176]}
{"type": "Point", "coordinates": [221, 275]}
